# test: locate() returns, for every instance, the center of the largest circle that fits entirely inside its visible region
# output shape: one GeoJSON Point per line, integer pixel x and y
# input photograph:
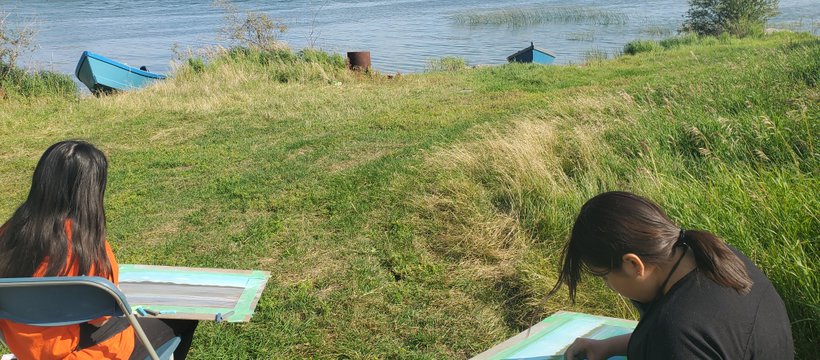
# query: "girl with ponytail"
{"type": "Point", "coordinates": [698, 297]}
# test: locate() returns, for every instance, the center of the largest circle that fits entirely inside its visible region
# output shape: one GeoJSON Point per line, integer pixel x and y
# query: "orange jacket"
{"type": "Point", "coordinates": [59, 342]}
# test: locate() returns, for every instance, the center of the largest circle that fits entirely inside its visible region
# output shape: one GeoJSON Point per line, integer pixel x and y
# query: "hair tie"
{"type": "Point", "coordinates": [681, 238]}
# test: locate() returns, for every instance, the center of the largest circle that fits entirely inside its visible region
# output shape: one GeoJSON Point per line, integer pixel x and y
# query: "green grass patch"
{"type": "Point", "coordinates": [640, 46]}
{"type": "Point", "coordinates": [447, 63]}
{"type": "Point", "coordinates": [421, 216]}
{"type": "Point", "coordinates": [18, 83]}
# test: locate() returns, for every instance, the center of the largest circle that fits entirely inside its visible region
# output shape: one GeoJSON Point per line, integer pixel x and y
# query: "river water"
{"type": "Point", "coordinates": [402, 35]}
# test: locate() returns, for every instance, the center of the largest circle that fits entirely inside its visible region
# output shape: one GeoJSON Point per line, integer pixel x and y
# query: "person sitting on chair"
{"type": "Point", "coordinates": [60, 231]}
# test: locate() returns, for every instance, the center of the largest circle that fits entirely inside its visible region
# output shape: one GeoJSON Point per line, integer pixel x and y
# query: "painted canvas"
{"type": "Point", "coordinates": [550, 338]}
{"type": "Point", "coordinates": [192, 293]}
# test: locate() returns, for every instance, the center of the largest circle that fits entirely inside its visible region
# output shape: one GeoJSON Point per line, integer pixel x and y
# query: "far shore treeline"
{"type": "Point", "coordinates": [422, 215]}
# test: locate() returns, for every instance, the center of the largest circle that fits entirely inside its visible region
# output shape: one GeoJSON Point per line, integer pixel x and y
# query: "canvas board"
{"type": "Point", "coordinates": [550, 338]}
{"type": "Point", "coordinates": [193, 293]}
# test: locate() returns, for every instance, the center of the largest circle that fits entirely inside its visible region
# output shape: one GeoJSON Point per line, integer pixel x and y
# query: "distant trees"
{"type": "Point", "coordinates": [735, 17]}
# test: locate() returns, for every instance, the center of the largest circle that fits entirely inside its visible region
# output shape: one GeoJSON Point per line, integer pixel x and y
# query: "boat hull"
{"type": "Point", "coordinates": [101, 74]}
{"type": "Point", "coordinates": [532, 54]}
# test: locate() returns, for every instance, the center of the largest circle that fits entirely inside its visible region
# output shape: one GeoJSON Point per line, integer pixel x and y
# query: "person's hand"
{"type": "Point", "coordinates": [583, 348]}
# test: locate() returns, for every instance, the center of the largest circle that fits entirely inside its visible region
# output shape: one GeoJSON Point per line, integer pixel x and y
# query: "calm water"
{"type": "Point", "coordinates": [402, 35]}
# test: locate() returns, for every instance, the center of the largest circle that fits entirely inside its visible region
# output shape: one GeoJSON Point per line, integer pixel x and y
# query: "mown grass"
{"type": "Point", "coordinates": [421, 216]}
{"type": "Point", "coordinates": [522, 17]}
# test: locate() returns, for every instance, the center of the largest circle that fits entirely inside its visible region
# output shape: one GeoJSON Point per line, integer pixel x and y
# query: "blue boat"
{"type": "Point", "coordinates": [103, 75]}
{"type": "Point", "coordinates": [532, 54]}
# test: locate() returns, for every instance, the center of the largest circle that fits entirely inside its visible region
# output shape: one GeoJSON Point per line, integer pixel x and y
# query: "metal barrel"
{"type": "Point", "coordinates": [359, 60]}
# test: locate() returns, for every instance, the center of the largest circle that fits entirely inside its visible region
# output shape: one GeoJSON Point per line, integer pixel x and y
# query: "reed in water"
{"type": "Point", "coordinates": [522, 17]}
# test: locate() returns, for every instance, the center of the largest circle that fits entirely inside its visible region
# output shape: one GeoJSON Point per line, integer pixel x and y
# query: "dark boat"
{"type": "Point", "coordinates": [532, 54]}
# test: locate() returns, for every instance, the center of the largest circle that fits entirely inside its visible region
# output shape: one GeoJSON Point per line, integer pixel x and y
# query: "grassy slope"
{"type": "Point", "coordinates": [420, 217]}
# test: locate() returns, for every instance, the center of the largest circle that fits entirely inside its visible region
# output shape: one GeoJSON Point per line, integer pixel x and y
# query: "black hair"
{"type": "Point", "coordinates": [68, 184]}
{"type": "Point", "coordinates": [616, 223]}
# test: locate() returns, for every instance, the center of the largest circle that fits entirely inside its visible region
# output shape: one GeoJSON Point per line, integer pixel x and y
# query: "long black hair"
{"type": "Point", "coordinates": [616, 223]}
{"type": "Point", "coordinates": [68, 184]}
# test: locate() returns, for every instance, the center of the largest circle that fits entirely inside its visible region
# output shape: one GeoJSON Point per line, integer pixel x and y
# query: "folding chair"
{"type": "Point", "coordinates": [67, 300]}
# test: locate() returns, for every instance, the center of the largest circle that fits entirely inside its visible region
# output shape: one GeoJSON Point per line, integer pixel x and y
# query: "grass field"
{"type": "Point", "coordinates": [422, 216]}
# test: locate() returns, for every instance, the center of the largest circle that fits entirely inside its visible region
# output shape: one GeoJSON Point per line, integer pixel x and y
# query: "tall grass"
{"type": "Point", "coordinates": [522, 17]}
{"type": "Point", "coordinates": [280, 65]}
{"type": "Point", "coordinates": [17, 82]}
{"type": "Point", "coordinates": [447, 63]}
{"type": "Point", "coordinates": [595, 55]}
{"type": "Point", "coordinates": [639, 46]}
